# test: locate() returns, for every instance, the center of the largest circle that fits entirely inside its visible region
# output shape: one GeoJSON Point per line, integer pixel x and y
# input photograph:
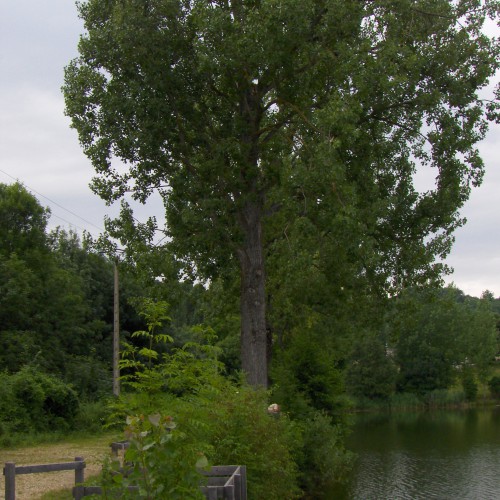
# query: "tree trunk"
{"type": "Point", "coordinates": [254, 352]}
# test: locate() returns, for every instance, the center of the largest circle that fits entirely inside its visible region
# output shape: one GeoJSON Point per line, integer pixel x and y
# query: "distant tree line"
{"type": "Point", "coordinates": [56, 314]}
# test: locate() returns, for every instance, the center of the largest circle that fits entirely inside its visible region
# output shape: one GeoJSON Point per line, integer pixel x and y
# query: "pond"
{"type": "Point", "coordinates": [441, 454]}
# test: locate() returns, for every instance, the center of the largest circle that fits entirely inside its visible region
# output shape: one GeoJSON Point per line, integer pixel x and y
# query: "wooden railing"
{"type": "Point", "coordinates": [226, 481]}
{"type": "Point", "coordinates": [223, 481]}
{"type": "Point", "coordinates": [11, 471]}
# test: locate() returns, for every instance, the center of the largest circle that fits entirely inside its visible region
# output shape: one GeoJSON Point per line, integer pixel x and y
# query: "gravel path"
{"type": "Point", "coordinates": [32, 486]}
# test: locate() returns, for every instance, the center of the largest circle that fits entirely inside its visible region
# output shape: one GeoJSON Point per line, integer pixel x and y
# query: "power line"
{"type": "Point", "coordinates": [55, 203]}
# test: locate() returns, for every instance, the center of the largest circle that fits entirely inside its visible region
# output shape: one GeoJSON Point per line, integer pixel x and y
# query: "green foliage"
{"type": "Point", "coordinates": [35, 401]}
{"type": "Point", "coordinates": [162, 460]}
{"type": "Point", "coordinates": [140, 363]}
{"type": "Point", "coordinates": [437, 332]}
{"type": "Point", "coordinates": [308, 386]}
{"type": "Point", "coordinates": [371, 373]}
{"type": "Point", "coordinates": [225, 421]}
{"type": "Point", "coordinates": [90, 376]}
{"type": "Point", "coordinates": [92, 416]}
{"type": "Point", "coordinates": [494, 386]}
{"type": "Point", "coordinates": [288, 131]}
{"type": "Point", "coordinates": [405, 401]}
{"type": "Point", "coordinates": [22, 224]}
{"type": "Point", "coordinates": [469, 384]}
{"type": "Point", "coordinates": [55, 297]}
{"type": "Point", "coordinates": [444, 397]}
{"type": "Point", "coordinates": [306, 378]}
{"type": "Point", "coordinates": [323, 459]}
{"type": "Point", "coordinates": [242, 432]}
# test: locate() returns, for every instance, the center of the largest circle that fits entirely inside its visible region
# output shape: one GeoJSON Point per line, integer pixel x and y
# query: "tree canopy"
{"type": "Point", "coordinates": [270, 125]}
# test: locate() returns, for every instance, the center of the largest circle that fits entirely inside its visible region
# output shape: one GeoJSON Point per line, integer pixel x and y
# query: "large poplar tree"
{"type": "Point", "coordinates": [235, 110]}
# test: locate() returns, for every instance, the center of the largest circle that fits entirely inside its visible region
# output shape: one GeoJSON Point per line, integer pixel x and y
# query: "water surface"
{"type": "Point", "coordinates": [451, 454]}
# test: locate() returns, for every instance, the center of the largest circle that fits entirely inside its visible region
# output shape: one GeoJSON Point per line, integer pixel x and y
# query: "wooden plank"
{"type": "Point", "coordinates": [243, 473]}
{"type": "Point", "coordinates": [220, 470]}
{"type": "Point", "coordinates": [213, 491]}
{"type": "Point", "coordinates": [217, 481]}
{"type": "Point", "coordinates": [34, 469]}
{"type": "Point", "coordinates": [92, 490]}
{"type": "Point", "coordinates": [237, 484]}
{"type": "Point", "coordinates": [213, 494]}
{"type": "Point", "coordinates": [229, 492]}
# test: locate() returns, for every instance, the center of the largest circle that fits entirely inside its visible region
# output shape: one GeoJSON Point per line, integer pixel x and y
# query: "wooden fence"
{"type": "Point", "coordinates": [226, 481]}
{"type": "Point", "coordinates": [223, 481]}
{"type": "Point", "coordinates": [11, 471]}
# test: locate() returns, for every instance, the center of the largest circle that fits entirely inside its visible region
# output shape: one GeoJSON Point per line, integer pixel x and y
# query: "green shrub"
{"type": "Point", "coordinates": [444, 397]}
{"type": "Point", "coordinates": [91, 416]}
{"type": "Point", "coordinates": [323, 459]}
{"type": "Point", "coordinates": [494, 386]}
{"type": "Point", "coordinates": [371, 373]}
{"type": "Point", "coordinates": [90, 377]}
{"type": "Point", "coordinates": [469, 384]}
{"type": "Point", "coordinates": [242, 432]}
{"type": "Point", "coordinates": [224, 421]}
{"type": "Point", "coordinates": [405, 400]}
{"type": "Point", "coordinates": [8, 404]}
{"type": "Point", "coordinates": [162, 460]}
{"type": "Point", "coordinates": [41, 401]}
{"type": "Point", "coordinates": [305, 379]}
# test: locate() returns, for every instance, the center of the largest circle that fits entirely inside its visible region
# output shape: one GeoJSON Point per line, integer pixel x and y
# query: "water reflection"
{"type": "Point", "coordinates": [438, 454]}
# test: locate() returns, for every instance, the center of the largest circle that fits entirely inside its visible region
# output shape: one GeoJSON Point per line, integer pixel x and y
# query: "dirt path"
{"type": "Point", "coordinates": [32, 486]}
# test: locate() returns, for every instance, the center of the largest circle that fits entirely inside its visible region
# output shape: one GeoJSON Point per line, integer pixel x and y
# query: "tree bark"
{"type": "Point", "coordinates": [254, 351]}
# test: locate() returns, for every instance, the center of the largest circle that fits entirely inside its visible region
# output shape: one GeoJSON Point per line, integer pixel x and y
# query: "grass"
{"type": "Point", "coordinates": [64, 494]}
{"type": "Point", "coordinates": [19, 440]}
{"type": "Point", "coordinates": [56, 485]}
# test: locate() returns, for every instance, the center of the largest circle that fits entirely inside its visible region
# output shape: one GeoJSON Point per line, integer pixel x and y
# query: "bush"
{"type": "Point", "coordinates": [228, 423]}
{"type": "Point", "coordinates": [90, 377]}
{"type": "Point", "coordinates": [494, 386]}
{"type": "Point", "coordinates": [469, 385]}
{"type": "Point", "coordinates": [371, 373]}
{"type": "Point", "coordinates": [405, 400]}
{"type": "Point", "coordinates": [306, 379]}
{"type": "Point", "coordinates": [38, 402]}
{"type": "Point", "coordinates": [91, 416]}
{"type": "Point", "coordinates": [322, 459]}
{"type": "Point", "coordinates": [242, 432]}
{"type": "Point", "coordinates": [161, 460]}
{"type": "Point", "coordinates": [444, 397]}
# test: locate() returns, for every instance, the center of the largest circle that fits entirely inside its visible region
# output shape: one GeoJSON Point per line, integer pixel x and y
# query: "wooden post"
{"type": "Point", "coordinates": [116, 334]}
{"type": "Point", "coordinates": [79, 479]}
{"type": "Point", "coordinates": [10, 480]}
{"type": "Point", "coordinates": [243, 472]}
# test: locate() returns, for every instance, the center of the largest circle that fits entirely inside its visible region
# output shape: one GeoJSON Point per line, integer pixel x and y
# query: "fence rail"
{"type": "Point", "coordinates": [10, 472]}
{"type": "Point", "coordinates": [226, 481]}
{"type": "Point", "coordinates": [223, 481]}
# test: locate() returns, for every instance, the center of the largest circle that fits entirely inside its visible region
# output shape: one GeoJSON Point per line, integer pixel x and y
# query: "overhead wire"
{"type": "Point", "coordinates": [55, 203]}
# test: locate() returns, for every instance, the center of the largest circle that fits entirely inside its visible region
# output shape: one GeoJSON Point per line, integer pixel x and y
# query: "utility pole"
{"type": "Point", "coordinates": [116, 333]}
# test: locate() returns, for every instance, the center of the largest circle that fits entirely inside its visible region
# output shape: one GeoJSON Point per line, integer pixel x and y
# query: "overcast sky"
{"type": "Point", "coordinates": [37, 147]}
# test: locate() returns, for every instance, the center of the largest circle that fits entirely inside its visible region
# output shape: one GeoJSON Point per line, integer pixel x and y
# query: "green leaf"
{"type": "Point", "coordinates": [155, 419]}
{"type": "Point", "coordinates": [202, 462]}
